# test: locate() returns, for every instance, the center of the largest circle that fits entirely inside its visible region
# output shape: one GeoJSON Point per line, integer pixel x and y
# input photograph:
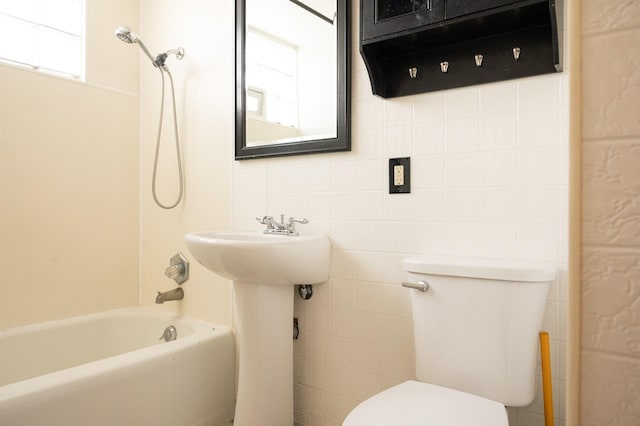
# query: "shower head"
{"type": "Point", "coordinates": [125, 34]}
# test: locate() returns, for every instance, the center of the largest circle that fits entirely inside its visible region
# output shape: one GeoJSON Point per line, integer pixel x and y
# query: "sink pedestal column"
{"type": "Point", "coordinates": [265, 346]}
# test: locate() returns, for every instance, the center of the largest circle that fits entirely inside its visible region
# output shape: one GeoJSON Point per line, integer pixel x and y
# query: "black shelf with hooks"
{"type": "Point", "coordinates": [514, 40]}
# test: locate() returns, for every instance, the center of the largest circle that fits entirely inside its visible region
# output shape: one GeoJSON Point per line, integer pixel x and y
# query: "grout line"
{"type": "Point", "coordinates": [614, 248]}
{"type": "Point", "coordinates": [610, 354]}
{"type": "Point", "coordinates": [606, 32]}
{"type": "Point", "coordinates": [606, 139]}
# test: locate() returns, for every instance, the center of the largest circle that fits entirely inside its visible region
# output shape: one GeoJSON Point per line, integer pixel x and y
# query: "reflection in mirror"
{"type": "Point", "coordinates": [292, 73]}
{"type": "Point", "coordinates": [292, 105]}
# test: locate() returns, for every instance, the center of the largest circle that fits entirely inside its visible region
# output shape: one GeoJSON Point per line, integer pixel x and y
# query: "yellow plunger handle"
{"type": "Point", "coordinates": [546, 378]}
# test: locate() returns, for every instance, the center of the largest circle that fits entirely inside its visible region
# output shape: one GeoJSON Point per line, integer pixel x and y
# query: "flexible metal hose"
{"type": "Point", "coordinates": [177, 140]}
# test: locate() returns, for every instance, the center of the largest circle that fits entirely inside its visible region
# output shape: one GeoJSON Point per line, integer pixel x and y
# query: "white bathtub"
{"type": "Point", "coordinates": [111, 369]}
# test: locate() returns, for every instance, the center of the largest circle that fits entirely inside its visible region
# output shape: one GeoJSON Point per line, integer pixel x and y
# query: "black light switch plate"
{"type": "Point", "coordinates": [400, 175]}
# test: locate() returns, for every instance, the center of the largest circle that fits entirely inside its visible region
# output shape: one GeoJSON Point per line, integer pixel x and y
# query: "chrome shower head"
{"type": "Point", "coordinates": [125, 34]}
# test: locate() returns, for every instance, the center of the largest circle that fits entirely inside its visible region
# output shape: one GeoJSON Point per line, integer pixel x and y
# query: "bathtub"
{"type": "Point", "coordinates": [111, 369]}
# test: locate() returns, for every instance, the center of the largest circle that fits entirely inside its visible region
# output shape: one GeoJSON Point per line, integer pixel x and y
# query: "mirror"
{"type": "Point", "coordinates": [292, 77]}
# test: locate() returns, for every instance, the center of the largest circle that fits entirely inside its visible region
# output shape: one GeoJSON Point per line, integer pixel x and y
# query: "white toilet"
{"type": "Point", "coordinates": [476, 341]}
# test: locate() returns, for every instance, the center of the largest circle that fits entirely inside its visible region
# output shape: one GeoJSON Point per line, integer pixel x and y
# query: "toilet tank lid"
{"type": "Point", "coordinates": [480, 268]}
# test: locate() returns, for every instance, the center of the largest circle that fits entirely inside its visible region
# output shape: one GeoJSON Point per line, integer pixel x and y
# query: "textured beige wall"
{"type": "Point", "coordinates": [69, 174]}
{"type": "Point", "coordinates": [204, 90]}
{"type": "Point", "coordinates": [610, 355]}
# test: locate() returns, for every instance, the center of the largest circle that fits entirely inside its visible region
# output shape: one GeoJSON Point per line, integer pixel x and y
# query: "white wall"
{"type": "Point", "coordinates": [489, 180]}
{"type": "Point", "coordinates": [263, 132]}
{"type": "Point", "coordinates": [204, 89]}
{"type": "Point", "coordinates": [69, 173]}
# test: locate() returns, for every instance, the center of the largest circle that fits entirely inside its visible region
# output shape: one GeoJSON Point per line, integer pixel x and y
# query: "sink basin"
{"type": "Point", "coordinates": [258, 258]}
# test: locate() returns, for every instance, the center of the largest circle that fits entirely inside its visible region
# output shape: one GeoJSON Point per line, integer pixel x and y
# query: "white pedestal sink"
{"type": "Point", "coordinates": [263, 269]}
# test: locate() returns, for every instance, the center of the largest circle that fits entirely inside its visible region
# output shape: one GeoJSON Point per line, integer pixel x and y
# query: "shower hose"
{"type": "Point", "coordinates": [177, 141]}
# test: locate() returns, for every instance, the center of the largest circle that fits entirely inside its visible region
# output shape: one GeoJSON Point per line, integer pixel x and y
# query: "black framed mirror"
{"type": "Point", "coordinates": [293, 77]}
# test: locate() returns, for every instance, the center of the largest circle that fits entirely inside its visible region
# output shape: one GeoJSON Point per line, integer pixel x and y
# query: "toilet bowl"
{"type": "Point", "coordinates": [476, 338]}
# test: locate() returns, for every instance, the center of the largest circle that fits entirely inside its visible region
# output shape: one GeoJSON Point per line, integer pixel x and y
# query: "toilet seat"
{"type": "Point", "coordinates": [415, 403]}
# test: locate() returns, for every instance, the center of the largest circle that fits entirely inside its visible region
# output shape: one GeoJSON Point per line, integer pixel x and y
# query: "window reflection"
{"type": "Point", "coordinates": [271, 71]}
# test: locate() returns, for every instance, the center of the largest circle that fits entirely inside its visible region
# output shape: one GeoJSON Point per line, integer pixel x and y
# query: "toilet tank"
{"type": "Point", "coordinates": [476, 328]}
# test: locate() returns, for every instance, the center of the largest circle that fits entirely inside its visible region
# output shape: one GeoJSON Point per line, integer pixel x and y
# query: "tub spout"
{"type": "Point", "coordinates": [175, 294]}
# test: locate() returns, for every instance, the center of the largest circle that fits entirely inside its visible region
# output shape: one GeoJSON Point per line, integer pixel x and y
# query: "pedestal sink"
{"type": "Point", "coordinates": [263, 269]}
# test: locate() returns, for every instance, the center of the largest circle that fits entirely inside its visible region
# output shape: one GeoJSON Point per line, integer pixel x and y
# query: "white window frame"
{"type": "Point", "coordinates": [256, 95]}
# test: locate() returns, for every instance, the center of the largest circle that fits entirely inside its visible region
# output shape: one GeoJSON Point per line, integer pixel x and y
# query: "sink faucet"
{"type": "Point", "coordinates": [281, 228]}
{"type": "Point", "coordinates": [175, 294]}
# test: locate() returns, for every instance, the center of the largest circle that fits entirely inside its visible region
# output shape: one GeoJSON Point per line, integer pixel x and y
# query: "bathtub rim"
{"type": "Point", "coordinates": [203, 331]}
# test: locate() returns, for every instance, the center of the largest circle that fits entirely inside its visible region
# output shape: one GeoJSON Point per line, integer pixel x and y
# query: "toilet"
{"type": "Point", "coordinates": [476, 341]}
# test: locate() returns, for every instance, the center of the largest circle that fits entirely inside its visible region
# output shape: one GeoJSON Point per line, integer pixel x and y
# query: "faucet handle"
{"type": "Point", "coordinates": [302, 221]}
{"type": "Point", "coordinates": [264, 220]}
{"type": "Point", "coordinates": [291, 228]}
{"type": "Point", "coordinates": [178, 268]}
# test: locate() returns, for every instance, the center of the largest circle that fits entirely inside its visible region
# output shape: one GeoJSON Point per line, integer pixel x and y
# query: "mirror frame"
{"type": "Point", "coordinates": [342, 141]}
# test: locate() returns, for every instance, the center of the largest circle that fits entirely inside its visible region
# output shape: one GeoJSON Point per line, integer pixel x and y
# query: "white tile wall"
{"type": "Point", "coordinates": [488, 169]}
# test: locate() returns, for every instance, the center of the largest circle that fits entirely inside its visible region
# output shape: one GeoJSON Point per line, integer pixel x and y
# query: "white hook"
{"type": "Point", "coordinates": [516, 53]}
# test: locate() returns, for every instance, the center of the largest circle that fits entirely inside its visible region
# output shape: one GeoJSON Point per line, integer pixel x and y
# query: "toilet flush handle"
{"type": "Point", "coordinates": [420, 285]}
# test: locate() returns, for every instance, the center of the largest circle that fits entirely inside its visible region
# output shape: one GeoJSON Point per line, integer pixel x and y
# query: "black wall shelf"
{"type": "Point", "coordinates": [405, 61]}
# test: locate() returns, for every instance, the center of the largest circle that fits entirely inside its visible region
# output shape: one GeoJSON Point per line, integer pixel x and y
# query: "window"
{"type": "Point", "coordinates": [46, 35]}
{"type": "Point", "coordinates": [271, 79]}
{"type": "Point", "coordinates": [255, 102]}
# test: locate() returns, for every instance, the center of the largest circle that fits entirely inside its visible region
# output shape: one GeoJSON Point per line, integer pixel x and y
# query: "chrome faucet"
{"type": "Point", "coordinates": [175, 294]}
{"type": "Point", "coordinates": [280, 228]}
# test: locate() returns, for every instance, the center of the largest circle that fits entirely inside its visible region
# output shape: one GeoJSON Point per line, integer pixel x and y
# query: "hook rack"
{"type": "Point", "coordinates": [482, 47]}
{"type": "Point", "coordinates": [479, 60]}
